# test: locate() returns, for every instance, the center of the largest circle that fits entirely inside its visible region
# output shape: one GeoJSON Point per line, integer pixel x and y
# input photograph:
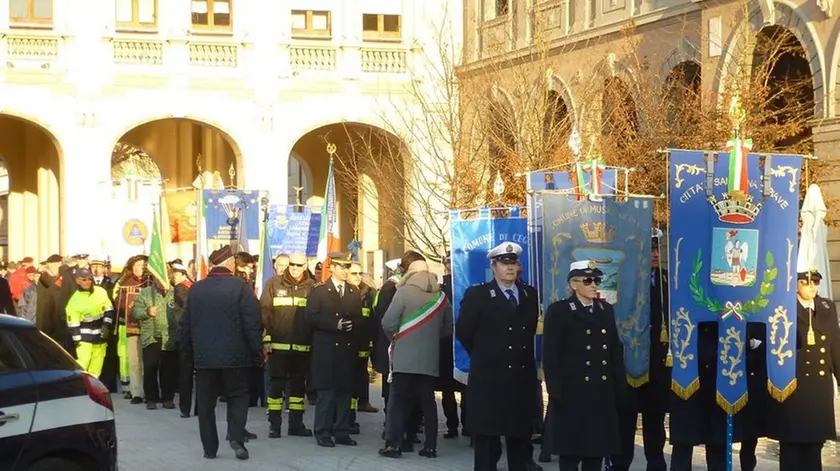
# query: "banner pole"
{"type": "Point", "coordinates": [729, 442]}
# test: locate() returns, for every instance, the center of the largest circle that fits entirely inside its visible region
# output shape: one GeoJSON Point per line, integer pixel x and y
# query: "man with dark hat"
{"type": "Point", "coordinates": [220, 330]}
{"type": "Point", "coordinates": [583, 363]}
{"type": "Point", "coordinates": [333, 310]}
{"type": "Point", "coordinates": [650, 399]}
{"type": "Point", "coordinates": [805, 420]}
{"type": "Point", "coordinates": [49, 314]}
{"type": "Point", "coordinates": [496, 325]}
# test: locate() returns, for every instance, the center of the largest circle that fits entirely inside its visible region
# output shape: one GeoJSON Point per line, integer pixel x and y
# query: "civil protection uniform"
{"type": "Point", "coordinates": [805, 420]}
{"type": "Point", "coordinates": [366, 331]}
{"type": "Point", "coordinates": [283, 306]}
{"type": "Point", "coordinates": [335, 355]}
{"type": "Point", "coordinates": [650, 399]}
{"type": "Point", "coordinates": [498, 334]}
{"type": "Point", "coordinates": [90, 319]}
{"type": "Point", "coordinates": [583, 363]}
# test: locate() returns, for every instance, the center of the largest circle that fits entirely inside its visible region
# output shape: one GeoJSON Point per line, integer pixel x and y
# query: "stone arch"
{"type": "Point", "coordinates": [677, 57]}
{"type": "Point", "coordinates": [34, 159]}
{"type": "Point", "coordinates": [221, 128]}
{"type": "Point", "coordinates": [176, 166]}
{"type": "Point", "coordinates": [364, 153]}
{"type": "Point", "coordinates": [789, 17]}
{"type": "Point", "coordinates": [559, 86]}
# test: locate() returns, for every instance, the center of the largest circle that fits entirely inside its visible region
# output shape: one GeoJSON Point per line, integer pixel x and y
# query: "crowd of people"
{"type": "Point", "coordinates": [310, 339]}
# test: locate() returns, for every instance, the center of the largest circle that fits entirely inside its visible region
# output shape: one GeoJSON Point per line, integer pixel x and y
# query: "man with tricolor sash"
{"type": "Point", "coordinates": [417, 318]}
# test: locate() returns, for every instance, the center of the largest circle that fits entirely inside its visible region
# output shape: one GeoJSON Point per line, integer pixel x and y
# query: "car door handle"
{"type": "Point", "coordinates": [8, 418]}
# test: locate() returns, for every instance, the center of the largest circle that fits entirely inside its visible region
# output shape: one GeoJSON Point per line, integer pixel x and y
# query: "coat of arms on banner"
{"type": "Point", "coordinates": [734, 256]}
{"type": "Point", "coordinates": [608, 260]}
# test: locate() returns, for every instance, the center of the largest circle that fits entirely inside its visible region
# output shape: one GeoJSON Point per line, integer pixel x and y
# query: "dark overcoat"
{"type": "Point", "coordinates": [446, 381]}
{"type": "Point", "coordinates": [500, 342]}
{"type": "Point", "coordinates": [335, 353]}
{"type": "Point", "coordinates": [379, 356]}
{"type": "Point", "coordinates": [807, 416]}
{"type": "Point", "coordinates": [652, 397]}
{"type": "Point", "coordinates": [583, 362]}
{"type": "Point", "coordinates": [220, 326]}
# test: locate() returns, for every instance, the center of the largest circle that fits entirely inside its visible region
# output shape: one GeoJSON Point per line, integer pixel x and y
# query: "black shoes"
{"type": "Point", "coordinates": [168, 405]}
{"type": "Point", "coordinates": [248, 436]}
{"type": "Point", "coordinates": [136, 400]}
{"type": "Point", "coordinates": [274, 433]}
{"type": "Point", "coordinates": [210, 456]}
{"type": "Point", "coordinates": [301, 431]}
{"type": "Point", "coordinates": [345, 441]}
{"type": "Point", "coordinates": [326, 442]}
{"type": "Point", "coordinates": [390, 452]}
{"type": "Point", "coordinates": [151, 406]}
{"type": "Point", "coordinates": [185, 415]}
{"type": "Point", "coordinates": [428, 452]}
{"type": "Point", "coordinates": [355, 429]}
{"type": "Point", "coordinates": [451, 433]}
{"type": "Point", "coordinates": [239, 450]}
{"type": "Point", "coordinates": [367, 407]}
{"type": "Point", "coordinates": [407, 446]}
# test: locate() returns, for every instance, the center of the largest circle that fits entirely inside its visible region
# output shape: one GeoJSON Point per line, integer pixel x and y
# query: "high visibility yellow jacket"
{"type": "Point", "coordinates": [89, 315]}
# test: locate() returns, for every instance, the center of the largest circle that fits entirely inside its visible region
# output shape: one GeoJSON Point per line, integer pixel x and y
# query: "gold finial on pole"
{"type": "Point", "coordinates": [199, 160]}
{"type": "Point", "coordinates": [737, 113]}
{"type": "Point", "coordinates": [331, 149]}
{"type": "Point", "coordinates": [232, 173]}
{"type": "Point", "coordinates": [298, 190]}
{"type": "Point", "coordinates": [498, 185]}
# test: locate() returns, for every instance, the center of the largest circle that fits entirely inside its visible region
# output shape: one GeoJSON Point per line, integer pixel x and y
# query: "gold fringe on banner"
{"type": "Point", "coordinates": [638, 382]}
{"type": "Point", "coordinates": [781, 394]}
{"type": "Point", "coordinates": [733, 408]}
{"type": "Point", "coordinates": [685, 393]}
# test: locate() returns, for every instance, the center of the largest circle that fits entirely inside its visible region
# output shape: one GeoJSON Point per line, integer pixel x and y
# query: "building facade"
{"type": "Point", "coordinates": [585, 42]}
{"type": "Point", "coordinates": [256, 86]}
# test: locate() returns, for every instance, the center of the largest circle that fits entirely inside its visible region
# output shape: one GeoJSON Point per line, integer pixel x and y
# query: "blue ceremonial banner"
{"type": "Point", "coordinates": [293, 229]}
{"type": "Point", "coordinates": [562, 182]}
{"type": "Point", "coordinates": [616, 236]}
{"type": "Point", "coordinates": [733, 242]}
{"type": "Point", "coordinates": [474, 232]}
{"type": "Point", "coordinates": [223, 207]}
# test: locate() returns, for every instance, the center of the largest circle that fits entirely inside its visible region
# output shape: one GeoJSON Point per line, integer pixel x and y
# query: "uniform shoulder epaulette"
{"type": "Point", "coordinates": [317, 284]}
{"type": "Point", "coordinates": [826, 304]}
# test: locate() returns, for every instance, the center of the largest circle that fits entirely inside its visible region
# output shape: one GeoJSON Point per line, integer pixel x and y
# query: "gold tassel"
{"type": "Point", "coordinates": [812, 340]}
{"type": "Point", "coordinates": [733, 408]}
{"type": "Point", "coordinates": [663, 334]}
{"type": "Point", "coordinates": [669, 359]}
{"type": "Point", "coordinates": [781, 394]}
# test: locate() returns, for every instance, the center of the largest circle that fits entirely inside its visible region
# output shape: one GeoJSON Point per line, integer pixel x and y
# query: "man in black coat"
{"type": "Point", "coordinates": [220, 329]}
{"type": "Point", "coordinates": [111, 367]}
{"type": "Point", "coordinates": [333, 310]}
{"type": "Point", "coordinates": [447, 384]}
{"type": "Point", "coordinates": [651, 398]}
{"type": "Point", "coordinates": [496, 325]}
{"type": "Point", "coordinates": [805, 420]}
{"type": "Point", "coordinates": [583, 362]}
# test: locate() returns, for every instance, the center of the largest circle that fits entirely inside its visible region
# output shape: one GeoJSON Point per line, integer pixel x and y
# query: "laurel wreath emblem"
{"type": "Point", "coordinates": [749, 308]}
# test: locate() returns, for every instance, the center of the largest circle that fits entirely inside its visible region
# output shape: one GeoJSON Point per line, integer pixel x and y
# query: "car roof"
{"type": "Point", "coordinates": [16, 322]}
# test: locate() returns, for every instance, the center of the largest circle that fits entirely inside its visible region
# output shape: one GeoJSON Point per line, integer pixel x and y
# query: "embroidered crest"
{"type": "Point", "coordinates": [509, 249]}
{"type": "Point", "coordinates": [825, 304]}
{"type": "Point", "coordinates": [572, 306]}
{"type": "Point", "coordinates": [591, 265]}
{"type": "Point", "coordinates": [492, 293]}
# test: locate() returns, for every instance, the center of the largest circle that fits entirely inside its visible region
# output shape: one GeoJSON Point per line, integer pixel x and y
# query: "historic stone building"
{"type": "Point", "coordinates": [257, 85]}
{"type": "Point", "coordinates": [585, 42]}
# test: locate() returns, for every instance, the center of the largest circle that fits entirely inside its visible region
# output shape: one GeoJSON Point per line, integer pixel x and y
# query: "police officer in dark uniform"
{"type": "Point", "coordinates": [496, 325]}
{"type": "Point", "coordinates": [287, 343]}
{"type": "Point", "coordinates": [651, 398]}
{"type": "Point", "coordinates": [805, 420]}
{"type": "Point", "coordinates": [583, 362]}
{"type": "Point", "coordinates": [333, 310]}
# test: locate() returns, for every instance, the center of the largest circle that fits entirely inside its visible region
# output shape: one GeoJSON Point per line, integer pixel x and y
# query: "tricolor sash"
{"type": "Point", "coordinates": [413, 322]}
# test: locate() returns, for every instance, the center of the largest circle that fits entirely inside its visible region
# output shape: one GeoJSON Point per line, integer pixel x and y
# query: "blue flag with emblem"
{"type": "Point", "coordinates": [574, 183]}
{"type": "Point", "coordinates": [616, 236]}
{"type": "Point", "coordinates": [732, 243]}
{"type": "Point", "coordinates": [473, 233]}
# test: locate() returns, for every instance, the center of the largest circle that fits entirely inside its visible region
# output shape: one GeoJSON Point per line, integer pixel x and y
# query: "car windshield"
{"type": "Point", "coordinates": [44, 352]}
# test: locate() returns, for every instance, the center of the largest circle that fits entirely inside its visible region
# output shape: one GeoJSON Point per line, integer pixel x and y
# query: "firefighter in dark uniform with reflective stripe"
{"type": "Point", "coordinates": [805, 420]}
{"type": "Point", "coordinates": [366, 331]}
{"type": "Point", "coordinates": [287, 343]}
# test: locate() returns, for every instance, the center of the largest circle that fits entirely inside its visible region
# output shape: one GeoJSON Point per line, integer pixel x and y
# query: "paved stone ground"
{"type": "Point", "coordinates": [161, 440]}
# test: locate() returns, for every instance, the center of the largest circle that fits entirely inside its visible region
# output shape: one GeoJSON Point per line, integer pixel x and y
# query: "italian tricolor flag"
{"type": "Point", "coordinates": [738, 178]}
{"type": "Point", "coordinates": [413, 322]}
{"type": "Point", "coordinates": [329, 240]}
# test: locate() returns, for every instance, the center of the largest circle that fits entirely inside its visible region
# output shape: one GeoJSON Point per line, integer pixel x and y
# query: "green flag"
{"type": "Point", "coordinates": [156, 263]}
